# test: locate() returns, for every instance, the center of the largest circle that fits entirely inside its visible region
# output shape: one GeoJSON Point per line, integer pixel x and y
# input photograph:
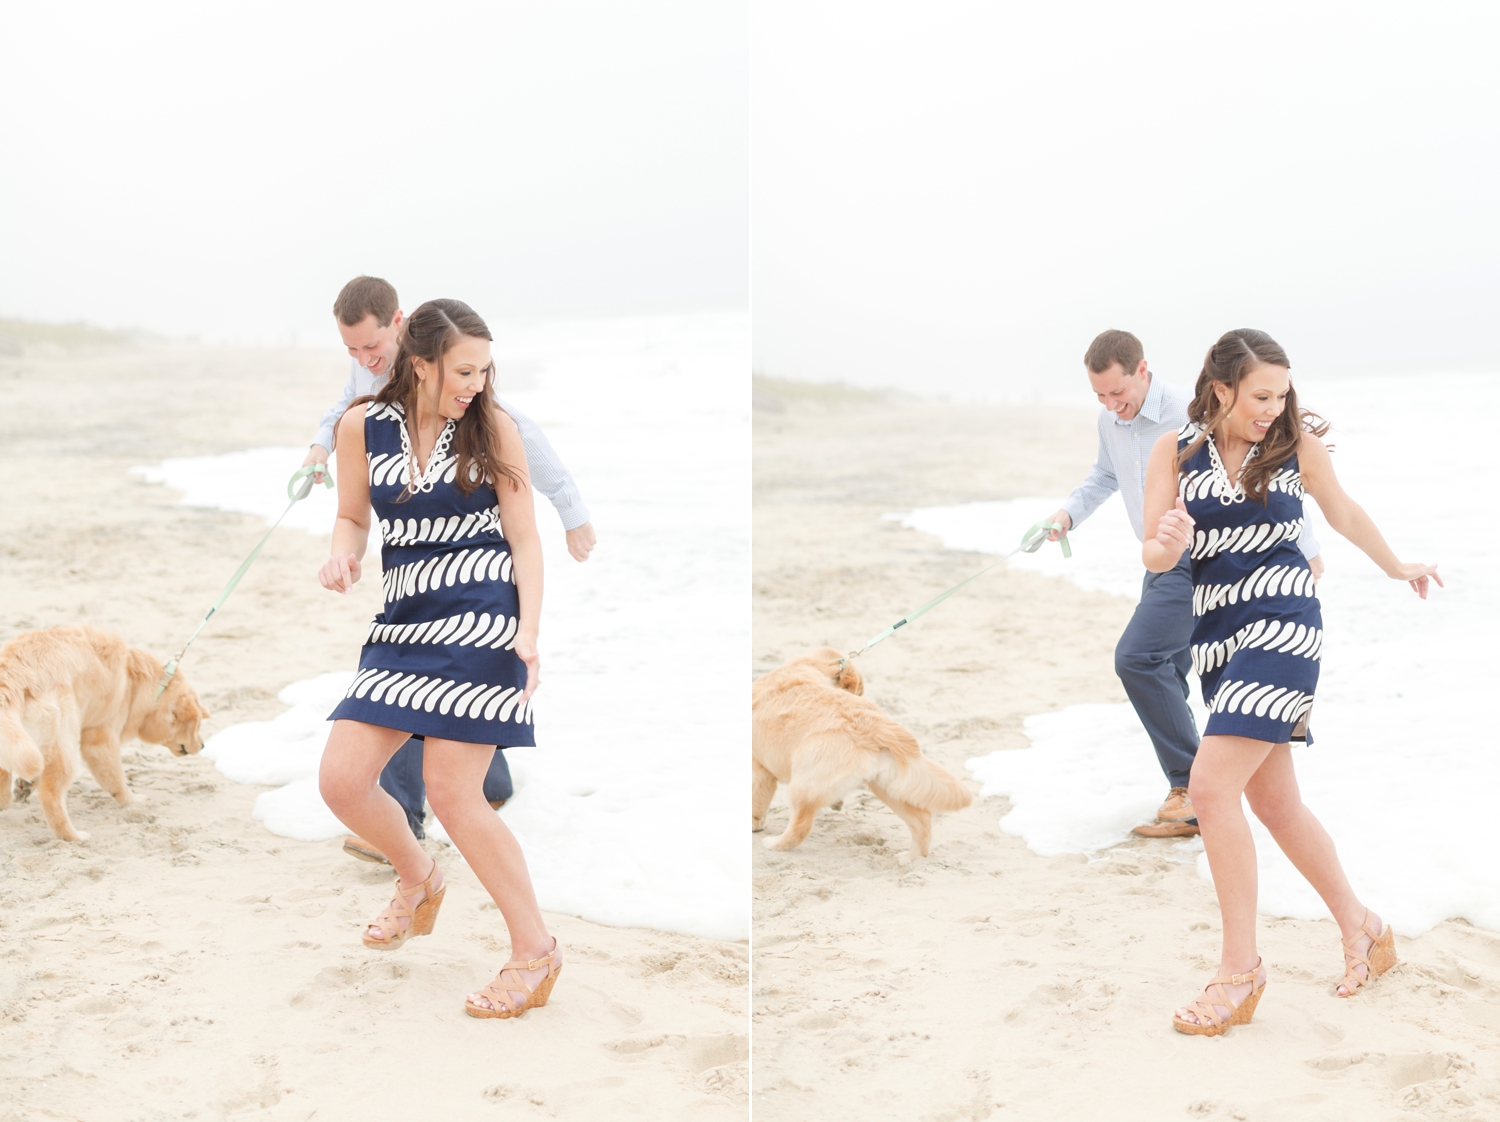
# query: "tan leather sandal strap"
{"type": "Point", "coordinates": [498, 999]}
{"type": "Point", "coordinates": [520, 987]}
{"type": "Point", "coordinates": [1200, 1007]}
{"type": "Point", "coordinates": [426, 885]}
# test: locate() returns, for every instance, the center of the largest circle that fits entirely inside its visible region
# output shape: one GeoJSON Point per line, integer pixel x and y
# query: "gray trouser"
{"type": "Point", "coordinates": [1152, 659]}
{"type": "Point", "coordinates": [402, 779]}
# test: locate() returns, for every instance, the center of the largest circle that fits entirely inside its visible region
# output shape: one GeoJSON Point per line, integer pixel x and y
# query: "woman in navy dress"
{"type": "Point", "coordinates": [452, 657]}
{"type": "Point", "coordinates": [1228, 490]}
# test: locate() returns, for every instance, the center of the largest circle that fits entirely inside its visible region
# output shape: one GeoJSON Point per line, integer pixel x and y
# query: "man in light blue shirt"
{"type": "Point", "coordinates": [1152, 657]}
{"type": "Point", "coordinates": [368, 316]}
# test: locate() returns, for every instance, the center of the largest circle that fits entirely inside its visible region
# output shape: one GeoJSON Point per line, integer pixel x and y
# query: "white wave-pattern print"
{"type": "Point", "coordinates": [1276, 580]}
{"type": "Point", "coordinates": [455, 528]}
{"type": "Point", "coordinates": [1251, 698]}
{"type": "Point", "coordinates": [1281, 636]}
{"type": "Point", "coordinates": [442, 695]}
{"type": "Point", "coordinates": [1288, 481]}
{"type": "Point", "coordinates": [391, 469]}
{"type": "Point", "coordinates": [446, 569]}
{"type": "Point", "coordinates": [1257, 537]}
{"type": "Point", "coordinates": [1208, 484]}
{"type": "Point", "coordinates": [464, 630]}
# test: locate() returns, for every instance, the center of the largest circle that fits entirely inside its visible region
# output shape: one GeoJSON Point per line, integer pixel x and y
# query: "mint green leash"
{"type": "Point", "coordinates": [296, 496]}
{"type": "Point", "coordinates": [1031, 541]}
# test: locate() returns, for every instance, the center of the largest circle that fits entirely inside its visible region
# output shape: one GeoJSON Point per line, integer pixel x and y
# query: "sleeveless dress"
{"type": "Point", "coordinates": [1258, 628]}
{"type": "Point", "coordinates": [439, 659]}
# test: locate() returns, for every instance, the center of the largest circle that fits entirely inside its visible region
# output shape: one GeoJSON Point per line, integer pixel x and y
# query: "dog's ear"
{"type": "Point", "coordinates": [185, 710]}
{"type": "Point", "coordinates": [849, 678]}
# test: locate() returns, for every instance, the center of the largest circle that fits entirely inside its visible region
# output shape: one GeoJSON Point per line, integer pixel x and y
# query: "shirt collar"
{"type": "Point", "coordinates": [1152, 406]}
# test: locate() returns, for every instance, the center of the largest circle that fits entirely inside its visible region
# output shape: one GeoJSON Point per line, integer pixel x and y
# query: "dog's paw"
{"type": "Point", "coordinates": [757, 827]}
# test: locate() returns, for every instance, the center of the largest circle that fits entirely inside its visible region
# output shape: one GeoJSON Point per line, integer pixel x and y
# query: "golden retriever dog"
{"type": "Point", "coordinates": [812, 729]}
{"type": "Point", "coordinates": [75, 694]}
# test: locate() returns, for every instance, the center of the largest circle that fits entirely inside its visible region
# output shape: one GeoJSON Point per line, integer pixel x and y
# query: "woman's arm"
{"type": "Point", "coordinates": [351, 529]}
{"type": "Point", "coordinates": [1164, 510]}
{"type": "Point", "coordinates": [1349, 518]}
{"type": "Point", "coordinates": [518, 522]}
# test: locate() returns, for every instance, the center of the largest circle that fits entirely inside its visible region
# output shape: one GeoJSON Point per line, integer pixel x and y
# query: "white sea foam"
{"type": "Point", "coordinates": [1403, 772]}
{"type": "Point", "coordinates": [253, 481]}
{"type": "Point", "coordinates": [627, 808]}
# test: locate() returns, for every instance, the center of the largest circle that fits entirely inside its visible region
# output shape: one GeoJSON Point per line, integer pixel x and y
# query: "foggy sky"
{"type": "Point", "coordinates": [956, 198]}
{"type": "Point", "coordinates": [221, 171]}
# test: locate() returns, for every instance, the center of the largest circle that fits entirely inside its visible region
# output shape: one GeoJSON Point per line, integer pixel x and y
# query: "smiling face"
{"type": "Point", "coordinates": [1262, 398]}
{"type": "Point", "coordinates": [466, 368]}
{"type": "Point", "coordinates": [1121, 393]}
{"type": "Point", "coordinates": [372, 346]}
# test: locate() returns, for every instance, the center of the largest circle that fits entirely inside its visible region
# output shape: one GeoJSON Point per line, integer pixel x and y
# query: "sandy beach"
{"type": "Point", "coordinates": [985, 981]}
{"type": "Point", "coordinates": [186, 963]}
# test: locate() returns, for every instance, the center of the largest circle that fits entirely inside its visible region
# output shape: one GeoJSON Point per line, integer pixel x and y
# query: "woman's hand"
{"type": "Point", "coordinates": [339, 572]}
{"type": "Point", "coordinates": [1416, 575]}
{"type": "Point", "coordinates": [1175, 530]}
{"type": "Point", "coordinates": [525, 648]}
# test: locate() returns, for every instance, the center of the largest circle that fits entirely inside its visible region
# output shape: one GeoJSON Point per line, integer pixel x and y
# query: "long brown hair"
{"type": "Point", "coordinates": [429, 333]}
{"type": "Point", "coordinates": [1227, 362]}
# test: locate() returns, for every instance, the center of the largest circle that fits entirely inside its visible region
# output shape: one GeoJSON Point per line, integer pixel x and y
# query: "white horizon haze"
{"type": "Point", "coordinates": [221, 172]}
{"type": "Point", "coordinates": [955, 199]}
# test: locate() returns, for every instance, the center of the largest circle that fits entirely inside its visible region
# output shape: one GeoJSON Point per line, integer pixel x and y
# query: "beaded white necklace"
{"type": "Point", "coordinates": [425, 481]}
{"type": "Point", "coordinates": [1229, 493]}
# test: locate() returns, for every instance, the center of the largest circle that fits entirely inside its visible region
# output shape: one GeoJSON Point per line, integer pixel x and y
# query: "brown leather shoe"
{"type": "Point", "coordinates": [1165, 830]}
{"type": "Point", "coordinates": [358, 847]}
{"type": "Point", "coordinates": [1177, 808]}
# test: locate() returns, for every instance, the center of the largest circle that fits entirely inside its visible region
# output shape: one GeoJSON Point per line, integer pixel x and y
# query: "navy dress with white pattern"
{"type": "Point", "coordinates": [439, 660]}
{"type": "Point", "coordinates": [1258, 631]}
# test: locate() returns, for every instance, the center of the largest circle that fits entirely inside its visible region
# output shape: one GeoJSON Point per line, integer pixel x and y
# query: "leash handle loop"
{"type": "Point", "coordinates": [311, 472]}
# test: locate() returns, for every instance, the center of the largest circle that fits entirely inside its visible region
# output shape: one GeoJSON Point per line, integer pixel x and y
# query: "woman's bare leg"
{"type": "Point", "coordinates": [1277, 801]}
{"type": "Point", "coordinates": [349, 781]}
{"type": "Point", "coordinates": [454, 774]}
{"type": "Point", "coordinates": [1222, 768]}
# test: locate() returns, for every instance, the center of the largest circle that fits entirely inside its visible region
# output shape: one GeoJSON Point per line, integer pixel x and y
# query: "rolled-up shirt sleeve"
{"type": "Point", "coordinates": [1308, 541]}
{"type": "Point", "coordinates": [548, 474]}
{"type": "Point", "coordinates": [1098, 485]}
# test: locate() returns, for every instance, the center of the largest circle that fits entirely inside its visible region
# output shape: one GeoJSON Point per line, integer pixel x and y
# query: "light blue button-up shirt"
{"type": "Point", "coordinates": [548, 475]}
{"type": "Point", "coordinates": [1125, 449]}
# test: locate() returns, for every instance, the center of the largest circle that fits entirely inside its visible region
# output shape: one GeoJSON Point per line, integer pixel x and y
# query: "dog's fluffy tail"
{"type": "Point", "coordinates": [19, 754]}
{"type": "Point", "coordinates": [928, 785]}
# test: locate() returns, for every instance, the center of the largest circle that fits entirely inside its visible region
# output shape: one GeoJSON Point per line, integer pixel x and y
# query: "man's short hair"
{"type": "Point", "coordinates": [366, 296]}
{"type": "Point", "coordinates": [1111, 347]}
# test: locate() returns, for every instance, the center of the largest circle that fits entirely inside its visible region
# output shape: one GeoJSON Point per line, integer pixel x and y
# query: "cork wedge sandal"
{"type": "Point", "coordinates": [1382, 957]}
{"type": "Point", "coordinates": [1209, 1022]}
{"type": "Point", "coordinates": [421, 919]}
{"type": "Point", "coordinates": [498, 993]}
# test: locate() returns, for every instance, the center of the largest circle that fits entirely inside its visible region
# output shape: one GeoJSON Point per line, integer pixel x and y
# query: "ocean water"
{"type": "Point", "coordinates": [1404, 771]}
{"type": "Point", "coordinates": [632, 807]}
